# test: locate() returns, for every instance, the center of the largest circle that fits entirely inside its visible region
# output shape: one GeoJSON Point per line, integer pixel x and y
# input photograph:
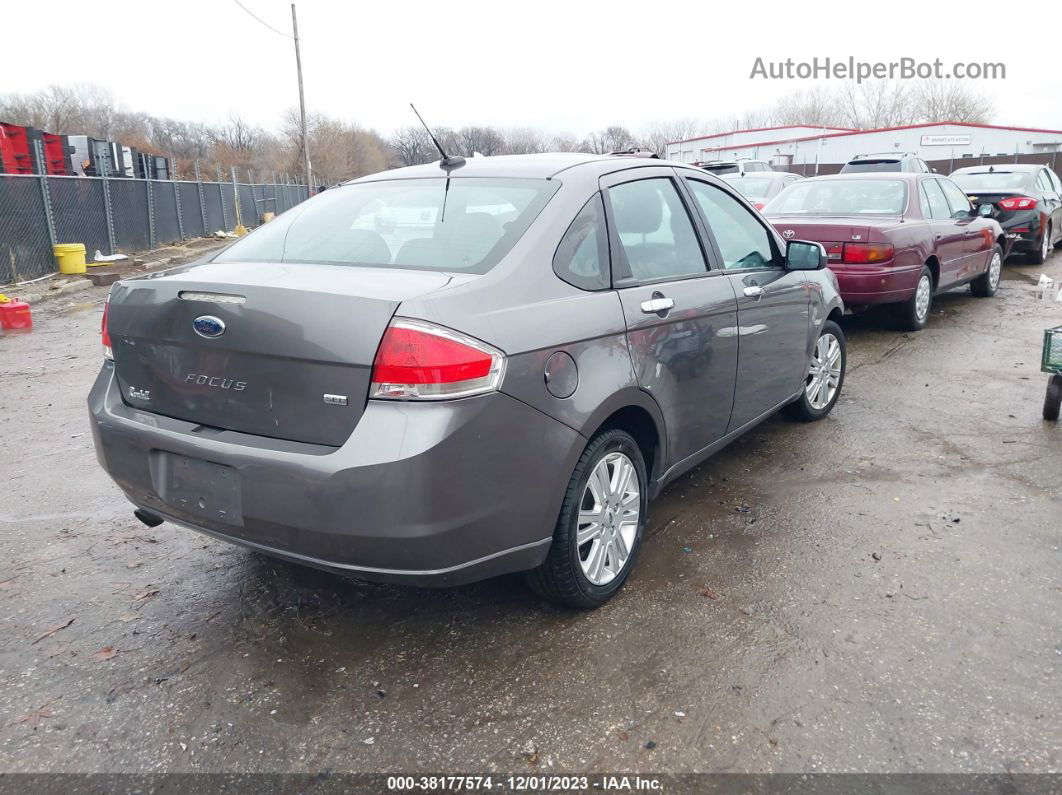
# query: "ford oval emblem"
{"type": "Point", "coordinates": [208, 326]}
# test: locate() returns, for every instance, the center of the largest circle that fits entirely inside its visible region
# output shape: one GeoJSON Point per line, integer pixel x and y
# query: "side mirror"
{"type": "Point", "coordinates": [804, 255]}
{"type": "Point", "coordinates": [984, 210]}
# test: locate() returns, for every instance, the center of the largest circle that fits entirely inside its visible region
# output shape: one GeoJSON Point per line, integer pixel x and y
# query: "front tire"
{"type": "Point", "coordinates": [825, 377]}
{"type": "Point", "coordinates": [1040, 255]}
{"type": "Point", "coordinates": [599, 530]}
{"type": "Point", "coordinates": [985, 285]}
{"type": "Point", "coordinates": [913, 313]}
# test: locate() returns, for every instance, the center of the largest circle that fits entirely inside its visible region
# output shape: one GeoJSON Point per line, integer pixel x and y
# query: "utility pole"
{"type": "Point", "coordinates": [302, 106]}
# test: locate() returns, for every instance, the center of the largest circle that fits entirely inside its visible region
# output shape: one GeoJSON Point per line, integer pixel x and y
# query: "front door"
{"type": "Point", "coordinates": [949, 235]}
{"type": "Point", "coordinates": [773, 303]}
{"type": "Point", "coordinates": [679, 314]}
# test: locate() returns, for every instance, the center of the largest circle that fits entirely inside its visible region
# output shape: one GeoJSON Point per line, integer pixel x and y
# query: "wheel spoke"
{"type": "Point", "coordinates": [588, 533]}
{"type": "Point", "coordinates": [621, 477]}
{"type": "Point", "coordinates": [595, 561]}
{"type": "Point", "coordinates": [619, 547]}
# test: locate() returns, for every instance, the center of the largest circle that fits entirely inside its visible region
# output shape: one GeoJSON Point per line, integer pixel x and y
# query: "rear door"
{"type": "Point", "coordinates": [949, 239]}
{"type": "Point", "coordinates": [773, 303]}
{"type": "Point", "coordinates": [680, 315]}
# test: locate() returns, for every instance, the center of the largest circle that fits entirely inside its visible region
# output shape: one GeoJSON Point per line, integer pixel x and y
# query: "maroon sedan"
{"type": "Point", "coordinates": [894, 238]}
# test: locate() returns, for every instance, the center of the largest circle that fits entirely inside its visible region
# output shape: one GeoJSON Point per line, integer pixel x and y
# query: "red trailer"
{"type": "Point", "coordinates": [16, 150]}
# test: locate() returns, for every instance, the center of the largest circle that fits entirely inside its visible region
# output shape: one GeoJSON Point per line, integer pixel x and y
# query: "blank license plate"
{"type": "Point", "coordinates": [200, 488]}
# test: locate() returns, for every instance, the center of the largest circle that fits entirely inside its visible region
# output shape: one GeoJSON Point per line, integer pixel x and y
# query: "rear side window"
{"type": "Point", "coordinates": [655, 230]}
{"type": "Point", "coordinates": [403, 223]}
{"type": "Point", "coordinates": [582, 256]}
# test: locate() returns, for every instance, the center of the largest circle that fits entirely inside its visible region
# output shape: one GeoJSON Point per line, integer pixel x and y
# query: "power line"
{"type": "Point", "coordinates": [262, 21]}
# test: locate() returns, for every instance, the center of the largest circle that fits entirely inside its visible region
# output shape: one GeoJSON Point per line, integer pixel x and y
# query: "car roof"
{"type": "Point", "coordinates": [760, 175]}
{"type": "Point", "coordinates": [538, 166]}
{"type": "Point", "coordinates": [1001, 169]}
{"type": "Point", "coordinates": [910, 176]}
{"type": "Point", "coordinates": [887, 156]}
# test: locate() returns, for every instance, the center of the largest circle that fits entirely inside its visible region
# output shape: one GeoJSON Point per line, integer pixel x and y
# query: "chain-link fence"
{"type": "Point", "coordinates": [119, 215]}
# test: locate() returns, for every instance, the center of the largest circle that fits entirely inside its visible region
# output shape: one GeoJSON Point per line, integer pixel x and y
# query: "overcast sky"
{"type": "Point", "coordinates": [562, 66]}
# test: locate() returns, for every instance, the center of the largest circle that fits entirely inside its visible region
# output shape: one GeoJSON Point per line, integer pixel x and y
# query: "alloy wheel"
{"type": "Point", "coordinates": [608, 521]}
{"type": "Point", "coordinates": [824, 374]}
{"type": "Point", "coordinates": [1045, 246]}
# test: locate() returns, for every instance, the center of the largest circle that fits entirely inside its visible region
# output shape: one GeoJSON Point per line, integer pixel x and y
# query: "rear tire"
{"type": "Point", "coordinates": [810, 406]}
{"type": "Point", "coordinates": [1040, 255]}
{"type": "Point", "coordinates": [564, 577]}
{"type": "Point", "coordinates": [913, 314]}
{"type": "Point", "coordinates": [985, 285]}
{"type": "Point", "coordinates": [1053, 399]}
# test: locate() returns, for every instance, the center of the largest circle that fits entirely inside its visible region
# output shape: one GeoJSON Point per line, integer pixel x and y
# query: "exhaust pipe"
{"type": "Point", "coordinates": [150, 519]}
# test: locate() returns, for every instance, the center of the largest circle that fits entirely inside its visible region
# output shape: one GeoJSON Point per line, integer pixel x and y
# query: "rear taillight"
{"type": "Point", "coordinates": [105, 334]}
{"type": "Point", "coordinates": [421, 361]}
{"type": "Point", "coordinates": [863, 253]}
{"type": "Point", "coordinates": [1017, 203]}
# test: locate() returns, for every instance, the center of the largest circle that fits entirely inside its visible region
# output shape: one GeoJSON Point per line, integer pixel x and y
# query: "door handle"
{"type": "Point", "coordinates": [753, 291]}
{"type": "Point", "coordinates": [657, 304]}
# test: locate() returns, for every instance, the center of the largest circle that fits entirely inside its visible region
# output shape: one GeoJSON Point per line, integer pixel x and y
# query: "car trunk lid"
{"type": "Point", "coordinates": [279, 350]}
{"type": "Point", "coordinates": [833, 232]}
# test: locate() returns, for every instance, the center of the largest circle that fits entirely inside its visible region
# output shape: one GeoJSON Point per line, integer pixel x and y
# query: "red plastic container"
{"type": "Point", "coordinates": [15, 316]}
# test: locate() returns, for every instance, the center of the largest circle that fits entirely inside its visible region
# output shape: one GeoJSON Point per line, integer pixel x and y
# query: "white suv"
{"type": "Point", "coordinates": [740, 166]}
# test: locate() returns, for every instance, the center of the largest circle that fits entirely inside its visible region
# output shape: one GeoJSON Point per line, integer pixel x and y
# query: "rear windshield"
{"type": "Point", "coordinates": [997, 180]}
{"type": "Point", "coordinates": [405, 223]}
{"type": "Point", "coordinates": [841, 197]}
{"type": "Point", "coordinates": [751, 186]}
{"type": "Point", "coordinates": [871, 165]}
{"type": "Point", "coordinates": [728, 168]}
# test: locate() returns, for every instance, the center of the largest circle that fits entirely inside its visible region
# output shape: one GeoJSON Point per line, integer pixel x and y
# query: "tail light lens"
{"type": "Point", "coordinates": [105, 334]}
{"type": "Point", "coordinates": [1017, 203]}
{"type": "Point", "coordinates": [422, 361]}
{"type": "Point", "coordinates": [864, 253]}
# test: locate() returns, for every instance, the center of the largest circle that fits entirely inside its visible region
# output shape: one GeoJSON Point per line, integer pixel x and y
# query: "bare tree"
{"type": "Point", "coordinates": [941, 100]}
{"type": "Point", "coordinates": [614, 138]}
{"type": "Point", "coordinates": [657, 135]}
{"type": "Point", "coordinates": [563, 142]}
{"type": "Point", "coordinates": [486, 141]}
{"type": "Point", "coordinates": [523, 141]}
{"type": "Point", "coordinates": [412, 146]}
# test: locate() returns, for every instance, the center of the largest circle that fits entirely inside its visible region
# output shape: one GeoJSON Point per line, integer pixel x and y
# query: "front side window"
{"type": "Point", "coordinates": [416, 223]}
{"type": "Point", "coordinates": [934, 196]}
{"type": "Point", "coordinates": [743, 241]}
{"type": "Point", "coordinates": [581, 258]}
{"type": "Point", "coordinates": [960, 203]}
{"type": "Point", "coordinates": [655, 230]}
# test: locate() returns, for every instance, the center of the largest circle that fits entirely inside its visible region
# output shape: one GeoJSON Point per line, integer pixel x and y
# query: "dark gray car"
{"type": "Point", "coordinates": [435, 380]}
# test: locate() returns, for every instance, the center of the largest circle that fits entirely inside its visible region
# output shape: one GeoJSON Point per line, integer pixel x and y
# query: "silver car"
{"type": "Point", "coordinates": [433, 377]}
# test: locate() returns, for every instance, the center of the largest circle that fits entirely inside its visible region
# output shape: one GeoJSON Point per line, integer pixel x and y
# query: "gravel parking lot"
{"type": "Point", "coordinates": [876, 592]}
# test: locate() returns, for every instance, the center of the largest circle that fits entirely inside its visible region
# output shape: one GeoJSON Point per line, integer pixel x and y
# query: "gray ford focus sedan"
{"type": "Point", "coordinates": [436, 375]}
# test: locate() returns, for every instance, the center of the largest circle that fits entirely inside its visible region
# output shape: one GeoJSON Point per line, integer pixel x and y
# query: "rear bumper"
{"type": "Point", "coordinates": [426, 494]}
{"type": "Point", "coordinates": [862, 285]}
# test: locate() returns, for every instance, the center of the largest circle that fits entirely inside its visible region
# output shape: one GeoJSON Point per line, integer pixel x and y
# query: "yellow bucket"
{"type": "Point", "coordinates": [70, 257]}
